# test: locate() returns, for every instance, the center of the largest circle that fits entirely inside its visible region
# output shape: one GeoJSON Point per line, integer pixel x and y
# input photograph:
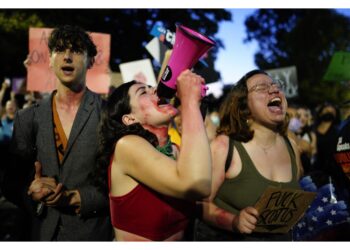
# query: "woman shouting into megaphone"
{"type": "Point", "coordinates": [153, 185]}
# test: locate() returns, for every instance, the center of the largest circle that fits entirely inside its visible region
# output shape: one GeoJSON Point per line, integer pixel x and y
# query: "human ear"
{"type": "Point", "coordinates": [128, 119]}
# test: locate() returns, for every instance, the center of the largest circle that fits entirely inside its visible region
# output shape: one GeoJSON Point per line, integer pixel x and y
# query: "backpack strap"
{"type": "Point", "coordinates": [229, 154]}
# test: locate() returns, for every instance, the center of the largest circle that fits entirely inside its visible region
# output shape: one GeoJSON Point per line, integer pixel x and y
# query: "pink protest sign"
{"type": "Point", "coordinates": [41, 78]}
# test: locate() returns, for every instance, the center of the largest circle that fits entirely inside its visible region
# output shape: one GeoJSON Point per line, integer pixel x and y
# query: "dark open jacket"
{"type": "Point", "coordinates": [33, 139]}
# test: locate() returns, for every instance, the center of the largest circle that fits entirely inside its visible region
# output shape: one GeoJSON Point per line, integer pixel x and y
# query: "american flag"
{"type": "Point", "coordinates": [326, 211]}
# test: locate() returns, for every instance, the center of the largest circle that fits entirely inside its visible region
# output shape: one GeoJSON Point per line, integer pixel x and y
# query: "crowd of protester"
{"type": "Point", "coordinates": [302, 143]}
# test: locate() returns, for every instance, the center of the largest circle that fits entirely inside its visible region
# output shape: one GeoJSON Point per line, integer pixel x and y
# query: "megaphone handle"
{"type": "Point", "coordinates": [203, 107]}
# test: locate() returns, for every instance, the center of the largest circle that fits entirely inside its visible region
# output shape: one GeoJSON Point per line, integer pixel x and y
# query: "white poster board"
{"type": "Point", "coordinates": [140, 70]}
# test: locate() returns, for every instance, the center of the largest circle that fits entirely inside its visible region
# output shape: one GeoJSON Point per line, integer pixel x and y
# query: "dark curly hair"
{"type": "Point", "coordinates": [73, 37]}
{"type": "Point", "coordinates": [234, 112]}
{"type": "Point", "coordinates": [111, 129]}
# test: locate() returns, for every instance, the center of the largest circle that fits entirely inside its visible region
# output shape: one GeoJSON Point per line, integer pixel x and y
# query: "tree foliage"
{"type": "Point", "coordinates": [306, 38]}
{"type": "Point", "coordinates": [129, 29]}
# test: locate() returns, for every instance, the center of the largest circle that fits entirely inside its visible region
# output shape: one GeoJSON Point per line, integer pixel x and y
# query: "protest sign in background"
{"type": "Point", "coordinates": [164, 35]}
{"type": "Point", "coordinates": [289, 76]}
{"type": "Point", "coordinates": [156, 49]}
{"type": "Point", "coordinates": [41, 78]}
{"type": "Point", "coordinates": [140, 70]}
{"type": "Point", "coordinates": [339, 68]}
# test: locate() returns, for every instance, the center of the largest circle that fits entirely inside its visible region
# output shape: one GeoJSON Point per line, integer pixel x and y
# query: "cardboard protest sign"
{"type": "Point", "coordinates": [338, 69]}
{"type": "Point", "coordinates": [41, 78]}
{"type": "Point", "coordinates": [140, 70]}
{"type": "Point", "coordinates": [289, 76]}
{"type": "Point", "coordinates": [280, 209]}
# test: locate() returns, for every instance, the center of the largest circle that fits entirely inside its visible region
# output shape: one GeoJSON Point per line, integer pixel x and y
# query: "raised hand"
{"type": "Point", "coordinates": [189, 86]}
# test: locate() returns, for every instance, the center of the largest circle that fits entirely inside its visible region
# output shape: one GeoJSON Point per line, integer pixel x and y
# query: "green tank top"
{"type": "Point", "coordinates": [246, 188]}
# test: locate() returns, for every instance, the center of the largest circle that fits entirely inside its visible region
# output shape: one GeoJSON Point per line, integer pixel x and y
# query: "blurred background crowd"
{"type": "Point", "coordinates": [305, 39]}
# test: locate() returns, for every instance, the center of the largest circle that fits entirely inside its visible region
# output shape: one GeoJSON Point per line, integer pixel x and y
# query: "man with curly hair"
{"type": "Point", "coordinates": [54, 147]}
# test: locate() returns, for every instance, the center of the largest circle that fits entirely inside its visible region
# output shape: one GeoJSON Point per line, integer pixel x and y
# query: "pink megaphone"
{"type": "Point", "coordinates": [188, 48]}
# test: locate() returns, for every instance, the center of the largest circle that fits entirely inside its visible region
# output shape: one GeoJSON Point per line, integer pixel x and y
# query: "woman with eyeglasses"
{"type": "Point", "coordinates": [250, 153]}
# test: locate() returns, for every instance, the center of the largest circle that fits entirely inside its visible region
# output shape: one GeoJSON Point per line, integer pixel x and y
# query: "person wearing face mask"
{"type": "Point", "coordinates": [326, 122]}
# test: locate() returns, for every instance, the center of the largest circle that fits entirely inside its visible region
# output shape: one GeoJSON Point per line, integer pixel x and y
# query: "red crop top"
{"type": "Point", "coordinates": [148, 213]}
